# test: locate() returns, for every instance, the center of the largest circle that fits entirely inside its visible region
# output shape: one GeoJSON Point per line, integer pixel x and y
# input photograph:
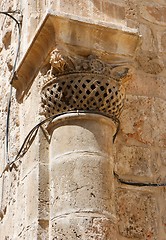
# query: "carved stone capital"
{"type": "Point", "coordinates": [87, 83]}
{"type": "Point", "coordinates": [83, 65]}
{"type": "Point", "coordinates": [82, 40]}
{"type": "Point", "coordinates": [62, 63]}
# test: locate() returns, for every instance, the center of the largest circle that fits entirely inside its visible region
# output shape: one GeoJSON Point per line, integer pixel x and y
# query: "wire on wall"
{"type": "Point", "coordinates": [8, 13]}
{"type": "Point", "coordinates": [32, 134]}
{"type": "Point", "coordinates": [138, 184]}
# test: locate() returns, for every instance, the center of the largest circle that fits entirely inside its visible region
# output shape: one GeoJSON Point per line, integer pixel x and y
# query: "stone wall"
{"type": "Point", "coordinates": [140, 146]}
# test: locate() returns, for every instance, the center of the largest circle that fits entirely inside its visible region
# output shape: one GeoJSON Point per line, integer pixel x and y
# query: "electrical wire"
{"type": "Point", "coordinates": [11, 88]}
{"type": "Point", "coordinates": [138, 184]}
{"type": "Point", "coordinates": [32, 134]}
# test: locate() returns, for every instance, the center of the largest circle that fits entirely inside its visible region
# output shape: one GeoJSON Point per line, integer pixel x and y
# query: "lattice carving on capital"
{"type": "Point", "coordinates": [82, 83]}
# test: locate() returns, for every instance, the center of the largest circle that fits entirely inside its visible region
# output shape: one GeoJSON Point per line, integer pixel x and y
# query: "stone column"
{"type": "Point", "coordinates": [81, 177]}
{"type": "Point", "coordinates": [88, 99]}
{"type": "Point", "coordinates": [83, 87]}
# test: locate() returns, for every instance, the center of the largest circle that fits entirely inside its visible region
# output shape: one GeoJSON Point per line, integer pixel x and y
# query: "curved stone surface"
{"type": "Point", "coordinates": [74, 83]}
{"type": "Point", "coordinates": [81, 177]}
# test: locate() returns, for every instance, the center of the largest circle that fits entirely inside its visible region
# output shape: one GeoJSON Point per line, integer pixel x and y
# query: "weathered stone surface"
{"type": "Point", "coordinates": [154, 12]}
{"type": "Point", "coordinates": [77, 6]}
{"type": "Point", "coordinates": [139, 85]}
{"type": "Point", "coordinates": [81, 171]}
{"type": "Point", "coordinates": [136, 120]}
{"type": "Point", "coordinates": [158, 122]}
{"type": "Point", "coordinates": [113, 12]}
{"type": "Point", "coordinates": [132, 8]}
{"type": "Point", "coordinates": [6, 40]}
{"type": "Point", "coordinates": [140, 143]}
{"type": "Point", "coordinates": [144, 124]}
{"type": "Point", "coordinates": [163, 156]}
{"type": "Point", "coordinates": [83, 227]}
{"type": "Point", "coordinates": [149, 62]}
{"type": "Point", "coordinates": [163, 42]}
{"type": "Point", "coordinates": [136, 214]}
{"type": "Point", "coordinates": [147, 37]}
{"type": "Point", "coordinates": [43, 192]}
{"type": "Point", "coordinates": [133, 161]}
{"type": "Point", "coordinates": [97, 9]}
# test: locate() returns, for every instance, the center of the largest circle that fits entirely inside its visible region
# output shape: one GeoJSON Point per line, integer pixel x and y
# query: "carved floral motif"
{"type": "Point", "coordinates": [61, 65]}
{"type": "Point", "coordinates": [82, 83]}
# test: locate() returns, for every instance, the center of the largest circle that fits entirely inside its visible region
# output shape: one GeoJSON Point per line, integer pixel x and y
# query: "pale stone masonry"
{"type": "Point", "coordinates": [64, 187]}
{"type": "Point", "coordinates": [81, 178]}
{"type": "Point", "coordinates": [82, 83]}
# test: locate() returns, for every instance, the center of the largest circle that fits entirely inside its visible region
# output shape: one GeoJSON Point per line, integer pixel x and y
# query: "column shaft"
{"type": "Point", "coordinates": [81, 178]}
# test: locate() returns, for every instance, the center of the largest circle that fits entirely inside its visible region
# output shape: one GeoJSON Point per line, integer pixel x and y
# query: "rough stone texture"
{"type": "Point", "coordinates": [154, 12]}
{"type": "Point", "coordinates": [81, 178]}
{"type": "Point", "coordinates": [134, 161]}
{"type": "Point", "coordinates": [140, 147]}
{"type": "Point", "coordinates": [84, 228]}
{"type": "Point", "coordinates": [136, 211]}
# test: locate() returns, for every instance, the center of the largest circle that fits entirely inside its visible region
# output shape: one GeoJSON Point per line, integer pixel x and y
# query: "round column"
{"type": "Point", "coordinates": [81, 177]}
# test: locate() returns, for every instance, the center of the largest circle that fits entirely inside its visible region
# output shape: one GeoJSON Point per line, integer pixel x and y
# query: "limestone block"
{"type": "Point", "coordinates": [97, 9]}
{"type": "Point", "coordinates": [8, 202]}
{"type": "Point", "coordinates": [31, 159]}
{"type": "Point", "coordinates": [32, 24]}
{"type": "Point", "coordinates": [153, 12]}
{"type": "Point", "coordinates": [147, 37]}
{"type": "Point", "coordinates": [132, 12]}
{"type": "Point", "coordinates": [163, 42]}
{"type": "Point", "coordinates": [161, 198]}
{"type": "Point", "coordinates": [31, 196]}
{"type": "Point", "coordinates": [43, 147]}
{"type": "Point", "coordinates": [113, 12]}
{"type": "Point", "coordinates": [163, 157]}
{"type": "Point", "coordinates": [158, 122]}
{"type": "Point", "coordinates": [29, 166]}
{"type": "Point", "coordinates": [150, 62]}
{"type": "Point", "coordinates": [139, 85]}
{"type": "Point", "coordinates": [53, 4]}
{"type": "Point", "coordinates": [134, 162]}
{"type": "Point", "coordinates": [43, 192]}
{"type": "Point", "coordinates": [77, 7]}
{"type": "Point", "coordinates": [143, 119]}
{"type": "Point", "coordinates": [136, 118]}
{"type": "Point", "coordinates": [137, 212]}
{"type": "Point", "coordinates": [20, 209]}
